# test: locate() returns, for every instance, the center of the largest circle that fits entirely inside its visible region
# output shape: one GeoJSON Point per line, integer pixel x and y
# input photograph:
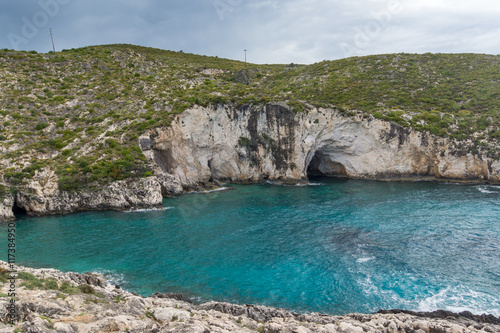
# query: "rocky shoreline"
{"type": "Point", "coordinates": [48, 300]}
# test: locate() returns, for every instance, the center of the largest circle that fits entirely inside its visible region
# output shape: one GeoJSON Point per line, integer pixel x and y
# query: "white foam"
{"type": "Point", "coordinates": [362, 260]}
{"type": "Point", "coordinates": [459, 299]}
{"type": "Point", "coordinates": [148, 210]}
{"type": "Point", "coordinates": [297, 184]}
{"type": "Point", "coordinates": [455, 299]}
{"type": "Point", "coordinates": [487, 189]}
{"type": "Point", "coordinates": [112, 278]}
{"type": "Point", "coordinates": [220, 189]}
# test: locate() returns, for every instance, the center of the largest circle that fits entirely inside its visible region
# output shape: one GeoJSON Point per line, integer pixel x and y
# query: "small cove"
{"type": "Point", "coordinates": [337, 247]}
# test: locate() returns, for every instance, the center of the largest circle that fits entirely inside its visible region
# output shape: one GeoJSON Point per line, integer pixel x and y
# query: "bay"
{"type": "Point", "coordinates": [336, 246]}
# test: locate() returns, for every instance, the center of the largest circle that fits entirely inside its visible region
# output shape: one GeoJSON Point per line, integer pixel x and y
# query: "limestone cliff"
{"type": "Point", "coordinates": [270, 142]}
{"type": "Point", "coordinates": [6, 204]}
{"type": "Point", "coordinates": [41, 196]}
{"type": "Point", "coordinates": [255, 143]}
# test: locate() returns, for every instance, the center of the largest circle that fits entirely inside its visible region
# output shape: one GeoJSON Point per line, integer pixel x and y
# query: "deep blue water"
{"type": "Point", "coordinates": [337, 247]}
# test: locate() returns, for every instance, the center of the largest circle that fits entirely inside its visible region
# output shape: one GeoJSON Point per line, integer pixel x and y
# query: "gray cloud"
{"type": "Point", "coordinates": [273, 31]}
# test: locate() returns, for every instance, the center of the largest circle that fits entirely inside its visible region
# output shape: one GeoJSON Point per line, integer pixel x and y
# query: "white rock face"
{"type": "Point", "coordinates": [6, 203]}
{"type": "Point", "coordinates": [271, 142]}
{"type": "Point", "coordinates": [38, 199]}
{"type": "Point", "coordinates": [169, 314]}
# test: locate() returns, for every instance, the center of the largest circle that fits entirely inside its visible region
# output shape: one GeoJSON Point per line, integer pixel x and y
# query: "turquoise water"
{"type": "Point", "coordinates": [337, 247]}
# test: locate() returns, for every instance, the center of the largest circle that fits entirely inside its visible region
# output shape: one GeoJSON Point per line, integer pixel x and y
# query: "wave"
{"type": "Point", "coordinates": [455, 299]}
{"type": "Point", "coordinates": [460, 298]}
{"type": "Point", "coordinates": [148, 210]}
{"type": "Point", "coordinates": [362, 260]}
{"type": "Point", "coordinates": [291, 184]}
{"type": "Point", "coordinates": [220, 189]}
{"type": "Point", "coordinates": [111, 277]}
{"type": "Point", "coordinates": [488, 189]}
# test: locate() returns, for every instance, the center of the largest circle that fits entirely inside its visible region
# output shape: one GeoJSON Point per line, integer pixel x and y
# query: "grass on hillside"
{"type": "Point", "coordinates": [81, 111]}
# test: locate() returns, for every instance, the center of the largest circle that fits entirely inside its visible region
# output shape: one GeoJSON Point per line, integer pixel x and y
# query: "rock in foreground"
{"type": "Point", "coordinates": [51, 301]}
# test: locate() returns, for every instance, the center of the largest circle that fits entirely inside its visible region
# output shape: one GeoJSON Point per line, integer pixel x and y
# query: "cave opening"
{"type": "Point", "coordinates": [322, 165]}
{"type": "Point", "coordinates": [18, 211]}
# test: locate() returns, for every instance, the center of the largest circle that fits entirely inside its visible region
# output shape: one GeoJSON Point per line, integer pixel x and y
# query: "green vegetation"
{"type": "Point", "coordinates": [3, 192]}
{"type": "Point", "coordinates": [150, 315]}
{"type": "Point", "coordinates": [31, 282]}
{"type": "Point", "coordinates": [81, 111]}
{"type": "Point", "coordinates": [4, 275]}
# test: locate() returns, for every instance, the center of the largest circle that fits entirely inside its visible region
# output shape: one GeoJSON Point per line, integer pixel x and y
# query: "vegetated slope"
{"type": "Point", "coordinates": [454, 95]}
{"type": "Point", "coordinates": [81, 111]}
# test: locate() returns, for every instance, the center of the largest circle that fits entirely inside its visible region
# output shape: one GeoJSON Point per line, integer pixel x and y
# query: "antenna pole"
{"type": "Point", "coordinates": [52, 38]}
{"type": "Point", "coordinates": [245, 58]}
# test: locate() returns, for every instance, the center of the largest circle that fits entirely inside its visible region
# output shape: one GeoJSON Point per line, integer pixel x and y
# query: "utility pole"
{"type": "Point", "coordinates": [52, 38]}
{"type": "Point", "coordinates": [245, 58]}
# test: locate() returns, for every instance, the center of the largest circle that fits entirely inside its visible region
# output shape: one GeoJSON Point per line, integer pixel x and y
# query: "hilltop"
{"type": "Point", "coordinates": [81, 112]}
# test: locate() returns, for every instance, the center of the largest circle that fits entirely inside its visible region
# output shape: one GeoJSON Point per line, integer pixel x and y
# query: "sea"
{"type": "Point", "coordinates": [333, 246]}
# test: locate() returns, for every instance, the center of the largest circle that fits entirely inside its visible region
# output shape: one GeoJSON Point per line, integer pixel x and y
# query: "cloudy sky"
{"type": "Point", "coordinates": [284, 31]}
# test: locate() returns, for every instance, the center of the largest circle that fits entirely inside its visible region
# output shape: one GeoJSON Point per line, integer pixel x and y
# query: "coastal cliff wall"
{"type": "Point", "coordinates": [204, 146]}
{"type": "Point", "coordinates": [41, 196]}
{"type": "Point", "coordinates": [271, 142]}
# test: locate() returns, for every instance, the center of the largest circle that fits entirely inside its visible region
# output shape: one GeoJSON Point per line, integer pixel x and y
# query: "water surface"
{"type": "Point", "coordinates": [337, 247]}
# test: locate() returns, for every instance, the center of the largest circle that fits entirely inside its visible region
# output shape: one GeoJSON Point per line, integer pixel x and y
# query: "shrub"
{"type": "Point", "coordinates": [245, 142]}
{"type": "Point", "coordinates": [86, 289]}
{"type": "Point", "coordinates": [37, 284]}
{"type": "Point", "coordinates": [41, 126]}
{"type": "Point", "coordinates": [67, 288]}
{"type": "Point", "coordinates": [58, 99]}
{"type": "Point", "coordinates": [55, 143]}
{"type": "Point", "coordinates": [69, 183]}
{"type": "Point", "coordinates": [15, 177]}
{"type": "Point", "coordinates": [111, 143]}
{"type": "Point", "coordinates": [51, 284]}
{"type": "Point", "coordinates": [26, 276]}
{"type": "Point", "coordinates": [4, 274]}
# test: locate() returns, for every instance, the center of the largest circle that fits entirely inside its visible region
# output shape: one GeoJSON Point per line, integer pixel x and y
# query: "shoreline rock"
{"type": "Point", "coordinates": [100, 307]}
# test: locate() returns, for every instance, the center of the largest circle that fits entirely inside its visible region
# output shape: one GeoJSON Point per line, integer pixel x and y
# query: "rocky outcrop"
{"type": "Point", "coordinates": [101, 307]}
{"type": "Point", "coordinates": [41, 195]}
{"type": "Point", "coordinates": [6, 204]}
{"type": "Point", "coordinates": [254, 143]}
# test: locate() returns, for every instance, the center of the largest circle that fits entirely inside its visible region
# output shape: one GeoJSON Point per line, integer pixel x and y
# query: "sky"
{"type": "Point", "coordinates": [272, 31]}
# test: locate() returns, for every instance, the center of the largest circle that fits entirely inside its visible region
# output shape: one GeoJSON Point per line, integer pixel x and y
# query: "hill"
{"type": "Point", "coordinates": [81, 111]}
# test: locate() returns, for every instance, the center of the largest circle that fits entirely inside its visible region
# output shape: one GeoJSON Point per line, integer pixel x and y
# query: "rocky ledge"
{"type": "Point", "coordinates": [41, 196]}
{"type": "Point", "coordinates": [48, 300]}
